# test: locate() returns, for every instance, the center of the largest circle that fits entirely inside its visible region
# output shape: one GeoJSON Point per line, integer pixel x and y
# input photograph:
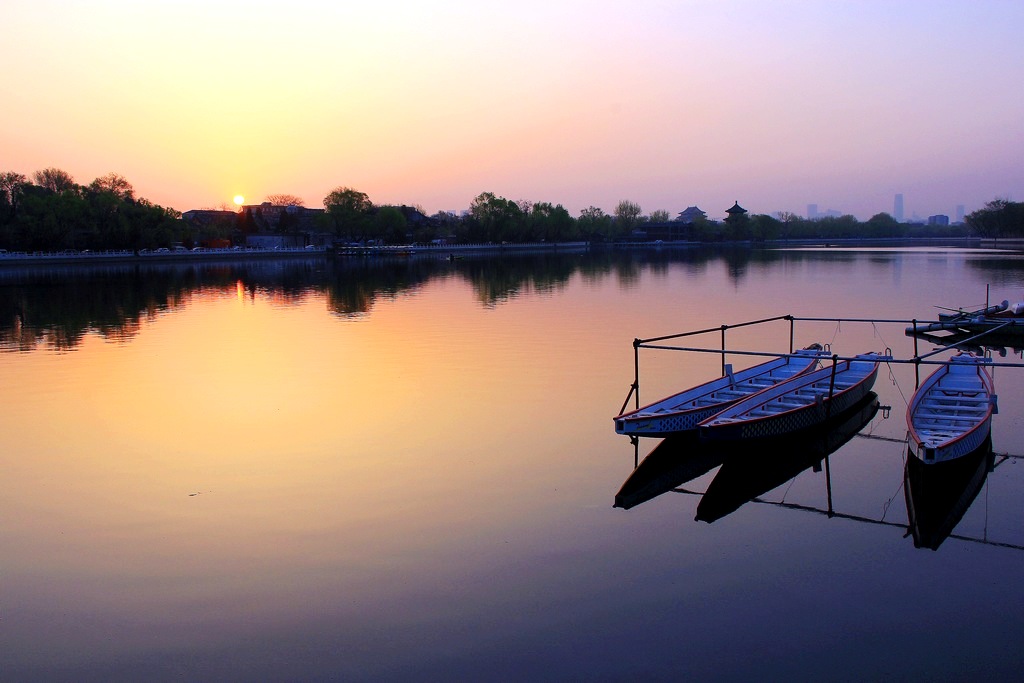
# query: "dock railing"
{"type": "Point", "coordinates": [917, 359]}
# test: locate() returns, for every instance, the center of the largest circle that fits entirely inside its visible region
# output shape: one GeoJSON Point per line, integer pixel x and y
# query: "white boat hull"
{"type": "Point", "coordinates": [798, 404]}
{"type": "Point", "coordinates": [950, 415]}
{"type": "Point", "coordinates": [682, 412]}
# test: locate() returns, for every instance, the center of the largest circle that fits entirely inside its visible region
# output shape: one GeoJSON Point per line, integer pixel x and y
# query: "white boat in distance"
{"type": "Point", "coordinates": [950, 414]}
{"type": "Point", "coordinates": [682, 412]}
{"type": "Point", "coordinates": [799, 403]}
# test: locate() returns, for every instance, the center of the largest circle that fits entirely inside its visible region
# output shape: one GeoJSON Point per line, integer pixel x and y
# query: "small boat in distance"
{"type": "Point", "coordinates": [1004, 318]}
{"type": "Point", "coordinates": [800, 403]}
{"type": "Point", "coordinates": [682, 412]}
{"type": "Point", "coordinates": [950, 414]}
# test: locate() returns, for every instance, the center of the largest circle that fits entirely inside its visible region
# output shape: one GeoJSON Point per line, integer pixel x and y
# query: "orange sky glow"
{"type": "Point", "coordinates": [702, 102]}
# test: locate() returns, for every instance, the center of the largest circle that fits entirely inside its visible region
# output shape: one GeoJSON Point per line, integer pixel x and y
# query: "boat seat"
{"type": "Point", "coordinates": [959, 385]}
{"type": "Point", "coordinates": [965, 410]}
{"type": "Point", "coordinates": [961, 400]}
{"type": "Point", "coordinates": [937, 415]}
{"type": "Point", "coordinates": [932, 422]}
{"type": "Point", "coordinates": [731, 393]}
{"type": "Point", "coordinates": [791, 404]}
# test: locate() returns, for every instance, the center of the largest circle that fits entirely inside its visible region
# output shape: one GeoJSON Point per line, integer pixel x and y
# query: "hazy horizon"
{"type": "Point", "coordinates": [775, 105]}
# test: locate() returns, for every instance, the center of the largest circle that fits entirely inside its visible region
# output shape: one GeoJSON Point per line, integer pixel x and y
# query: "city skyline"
{"type": "Point", "coordinates": [668, 105]}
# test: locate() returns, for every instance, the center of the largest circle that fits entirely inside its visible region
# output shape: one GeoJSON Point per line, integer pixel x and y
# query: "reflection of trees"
{"type": "Point", "coordinates": [56, 307]}
{"type": "Point", "coordinates": [498, 279]}
{"type": "Point", "coordinates": [354, 285]}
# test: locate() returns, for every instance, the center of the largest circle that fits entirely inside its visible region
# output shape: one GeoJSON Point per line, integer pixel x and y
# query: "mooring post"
{"type": "Point", "coordinates": [724, 328]}
{"type": "Point", "coordinates": [636, 370]}
{"type": "Point", "coordinates": [831, 385]}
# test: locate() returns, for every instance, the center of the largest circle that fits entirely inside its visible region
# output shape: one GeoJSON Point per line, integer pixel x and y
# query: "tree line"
{"type": "Point", "coordinates": [51, 212]}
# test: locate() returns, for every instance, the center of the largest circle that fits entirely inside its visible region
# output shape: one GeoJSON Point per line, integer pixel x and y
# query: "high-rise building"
{"type": "Point", "coordinates": [812, 211]}
{"type": "Point", "coordinates": [960, 213]}
{"type": "Point", "coordinates": [897, 208]}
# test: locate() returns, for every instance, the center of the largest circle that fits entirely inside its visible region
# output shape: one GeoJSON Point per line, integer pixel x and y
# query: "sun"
{"type": "Point", "coordinates": [239, 199]}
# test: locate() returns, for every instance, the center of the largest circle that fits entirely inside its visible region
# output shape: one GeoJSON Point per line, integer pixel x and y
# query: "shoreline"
{"type": "Point", "coordinates": [178, 256]}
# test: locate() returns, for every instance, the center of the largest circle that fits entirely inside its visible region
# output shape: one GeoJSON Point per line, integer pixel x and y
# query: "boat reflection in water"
{"type": "Point", "coordinates": [675, 461]}
{"type": "Point", "coordinates": [938, 494]}
{"type": "Point", "coordinates": [767, 463]}
{"type": "Point", "coordinates": [747, 468]}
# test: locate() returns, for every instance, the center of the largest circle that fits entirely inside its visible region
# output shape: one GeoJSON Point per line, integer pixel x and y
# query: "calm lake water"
{"type": "Point", "coordinates": [306, 470]}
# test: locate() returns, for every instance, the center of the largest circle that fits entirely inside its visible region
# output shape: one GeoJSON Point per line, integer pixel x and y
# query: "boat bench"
{"type": "Point", "coordinates": [928, 421]}
{"type": "Point", "coordinates": [732, 393]}
{"type": "Point", "coordinates": [957, 386]}
{"type": "Point", "coordinates": [976, 408]}
{"type": "Point", "coordinates": [953, 404]}
{"type": "Point", "coordinates": [940, 434]}
{"type": "Point", "coordinates": [790, 404]}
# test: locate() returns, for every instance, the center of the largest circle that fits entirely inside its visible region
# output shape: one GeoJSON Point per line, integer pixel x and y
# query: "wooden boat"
{"type": "Point", "coordinates": [765, 464]}
{"type": "Point", "coordinates": [678, 459]}
{"type": "Point", "coordinates": [796, 404]}
{"type": "Point", "coordinates": [684, 411]}
{"type": "Point", "coordinates": [995, 343]}
{"type": "Point", "coordinates": [1003, 318]}
{"type": "Point", "coordinates": [938, 495]}
{"type": "Point", "coordinates": [950, 414]}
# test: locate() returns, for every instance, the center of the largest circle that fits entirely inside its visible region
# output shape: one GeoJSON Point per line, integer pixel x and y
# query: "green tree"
{"type": "Point", "coordinates": [349, 211]}
{"type": "Point", "coordinates": [627, 216]}
{"type": "Point", "coordinates": [551, 223]}
{"type": "Point", "coordinates": [999, 218]}
{"type": "Point", "coordinates": [882, 225]}
{"type": "Point", "coordinates": [114, 184]}
{"type": "Point", "coordinates": [765, 227]}
{"type": "Point", "coordinates": [389, 224]}
{"type": "Point", "coordinates": [594, 224]}
{"type": "Point", "coordinates": [495, 219]}
{"type": "Point", "coordinates": [659, 216]}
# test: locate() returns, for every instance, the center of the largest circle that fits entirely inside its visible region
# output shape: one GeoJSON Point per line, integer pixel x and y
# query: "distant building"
{"type": "Point", "coordinates": [691, 215]}
{"type": "Point", "coordinates": [960, 215]}
{"type": "Point", "coordinates": [938, 219]}
{"type": "Point", "coordinates": [202, 218]}
{"type": "Point", "coordinates": [269, 218]}
{"type": "Point", "coordinates": [735, 211]}
{"type": "Point", "coordinates": [897, 208]}
{"type": "Point", "coordinates": [812, 211]}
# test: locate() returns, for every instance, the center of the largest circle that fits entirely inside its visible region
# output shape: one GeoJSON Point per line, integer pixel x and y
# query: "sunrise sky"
{"type": "Point", "coordinates": [777, 104]}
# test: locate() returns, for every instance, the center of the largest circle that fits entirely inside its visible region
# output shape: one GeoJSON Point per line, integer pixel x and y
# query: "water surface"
{"type": "Point", "coordinates": [303, 470]}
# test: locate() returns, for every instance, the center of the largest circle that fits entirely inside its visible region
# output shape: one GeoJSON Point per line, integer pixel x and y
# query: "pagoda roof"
{"type": "Point", "coordinates": [736, 208]}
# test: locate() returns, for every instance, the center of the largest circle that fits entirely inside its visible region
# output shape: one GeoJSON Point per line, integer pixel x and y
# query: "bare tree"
{"type": "Point", "coordinates": [54, 180]}
{"type": "Point", "coordinates": [284, 200]}
{"type": "Point", "coordinates": [11, 187]}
